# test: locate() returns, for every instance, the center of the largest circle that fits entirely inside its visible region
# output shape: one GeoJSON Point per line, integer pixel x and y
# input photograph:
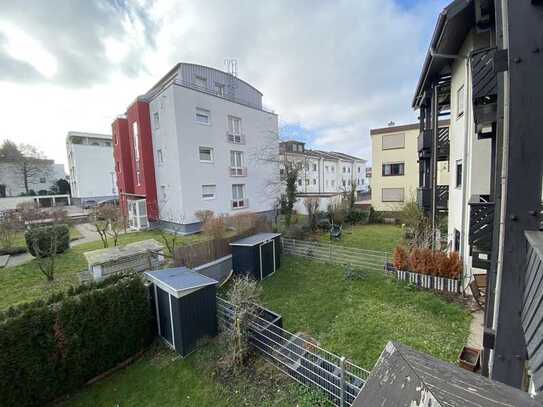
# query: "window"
{"type": "Point", "coordinates": [392, 195]}
{"type": "Point", "coordinates": [42, 180]}
{"type": "Point", "coordinates": [307, 181]}
{"type": "Point", "coordinates": [359, 169]}
{"type": "Point", "coordinates": [202, 116]}
{"type": "Point", "coordinates": [344, 170]}
{"type": "Point", "coordinates": [300, 182]}
{"type": "Point", "coordinates": [281, 171]}
{"type": "Point", "coordinates": [306, 166]}
{"type": "Point", "coordinates": [314, 167]}
{"type": "Point", "coordinates": [163, 192]}
{"type": "Point", "coordinates": [333, 169]}
{"type": "Point", "coordinates": [238, 196]}
{"type": "Point", "coordinates": [138, 177]}
{"type": "Point", "coordinates": [300, 148]}
{"type": "Point", "coordinates": [136, 141]}
{"type": "Point", "coordinates": [156, 120]}
{"type": "Point", "coordinates": [456, 240]}
{"type": "Point", "coordinates": [209, 191]}
{"type": "Point", "coordinates": [327, 168]}
{"type": "Point", "coordinates": [115, 139]}
{"type": "Point", "coordinates": [200, 81]}
{"type": "Point", "coordinates": [393, 141]}
{"type": "Point", "coordinates": [393, 169]}
{"type": "Point", "coordinates": [206, 154]}
{"type": "Point", "coordinates": [159, 156]}
{"type": "Point", "coordinates": [459, 174]}
{"type": "Point", "coordinates": [219, 88]}
{"type": "Point", "coordinates": [349, 170]}
{"type": "Point", "coordinates": [107, 143]}
{"type": "Point", "coordinates": [314, 181]}
{"type": "Point", "coordinates": [234, 129]}
{"type": "Point", "coordinates": [460, 101]}
{"type": "Point", "coordinates": [236, 163]}
{"type": "Point", "coordinates": [343, 182]}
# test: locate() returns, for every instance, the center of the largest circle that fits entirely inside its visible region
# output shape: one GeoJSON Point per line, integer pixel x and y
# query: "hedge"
{"type": "Point", "coordinates": [41, 235]}
{"type": "Point", "coordinates": [50, 348]}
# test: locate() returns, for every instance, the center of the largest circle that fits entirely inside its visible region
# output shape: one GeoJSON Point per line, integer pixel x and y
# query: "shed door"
{"type": "Point", "coordinates": [267, 259]}
{"type": "Point", "coordinates": [164, 315]}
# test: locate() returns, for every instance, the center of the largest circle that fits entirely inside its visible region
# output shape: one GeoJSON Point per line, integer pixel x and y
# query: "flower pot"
{"type": "Point", "coordinates": [469, 358]}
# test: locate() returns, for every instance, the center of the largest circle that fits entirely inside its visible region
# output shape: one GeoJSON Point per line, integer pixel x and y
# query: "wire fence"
{"type": "Point", "coordinates": [301, 358]}
{"type": "Point", "coordinates": [333, 253]}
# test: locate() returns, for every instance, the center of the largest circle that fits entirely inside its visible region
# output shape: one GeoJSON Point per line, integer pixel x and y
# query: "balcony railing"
{"type": "Point", "coordinates": [235, 138]}
{"type": "Point", "coordinates": [237, 171]}
{"type": "Point", "coordinates": [425, 143]}
{"type": "Point", "coordinates": [485, 91]}
{"type": "Point", "coordinates": [481, 226]}
{"type": "Point", "coordinates": [424, 197]}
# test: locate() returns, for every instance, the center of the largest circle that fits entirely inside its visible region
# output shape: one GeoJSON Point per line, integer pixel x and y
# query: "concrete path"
{"type": "Point", "coordinates": [475, 339]}
{"type": "Point", "coordinates": [88, 234]}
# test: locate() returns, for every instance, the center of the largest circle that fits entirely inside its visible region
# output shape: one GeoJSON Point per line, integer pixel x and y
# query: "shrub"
{"type": "Point", "coordinates": [375, 217]}
{"type": "Point", "coordinates": [298, 231]}
{"type": "Point", "coordinates": [455, 265]}
{"type": "Point", "coordinates": [40, 238]}
{"type": "Point", "coordinates": [215, 228]}
{"type": "Point", "coordinates": [242, 222]}
{"type": "Point", "coordinates": [356, 216]}
{"type": "Point", "coordinates": [204, 215]}
{"type": "Point", "coordinates": [312, 206]}
{"type": "Point", "coordinates": [52, 347]}
{"type": "Point", "coordinates": [401, 258]}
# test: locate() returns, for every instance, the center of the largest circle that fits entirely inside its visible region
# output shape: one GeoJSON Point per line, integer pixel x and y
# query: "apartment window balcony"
{"type": "Point", "coordinates": [484, 92]}
{"type": "Point", "coordinates": [424, 142]}
{"type": "Point", "coordinates": [424, 197]}
{"type": "Point", "coordinates": [481, 227]}
{"type": "Point", "coordinates": [238, 171]}
{"type": "Point", "coordinates": [233, 138]}
{"type": "Point", "coordinates": [240, 203]}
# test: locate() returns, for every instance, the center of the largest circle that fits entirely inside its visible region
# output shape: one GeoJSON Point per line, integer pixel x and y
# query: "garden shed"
{"type": "Point", "coordinates": [258, 255]}
{"type": "Point", "coordinates": [185, 305]}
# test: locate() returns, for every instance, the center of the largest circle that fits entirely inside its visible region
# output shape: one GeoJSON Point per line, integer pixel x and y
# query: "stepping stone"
{"type": "Point", "coordinates": [4, 260]}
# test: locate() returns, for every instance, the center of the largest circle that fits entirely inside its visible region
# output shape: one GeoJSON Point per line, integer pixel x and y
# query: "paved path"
{"type": "Point", "coordinates": [475, 339]}
{"type": "Point", "coordinates": [88, 234]}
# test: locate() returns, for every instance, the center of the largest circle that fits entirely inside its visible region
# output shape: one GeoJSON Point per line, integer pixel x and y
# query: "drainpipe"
{"type": "Point", "coordinates": [465, 164]}
{"type": "Point", "coordinates": [504, 175]}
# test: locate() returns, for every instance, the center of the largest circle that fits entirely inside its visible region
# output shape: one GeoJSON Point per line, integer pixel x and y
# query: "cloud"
{"type": "Point", "coordinates": [333, 69]}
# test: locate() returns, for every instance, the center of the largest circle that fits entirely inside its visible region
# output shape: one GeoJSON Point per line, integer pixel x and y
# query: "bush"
{"type": "Point", "coordinates": [375, 217]}
{"type": "Point", "coordinates": [50, 348]}
{"type": "Point", "coordinates": [356, 216]}
{"type": "Point", "coordinates": [204, 215]}
{"type": "Point", "coordinates": [298, 231]}
{"type": "Point", "coordinates": [215, 228]}
{"type": "Point", "coordinates": [40, 238]}
{"type": "Point", "coordinates": [401, 258]}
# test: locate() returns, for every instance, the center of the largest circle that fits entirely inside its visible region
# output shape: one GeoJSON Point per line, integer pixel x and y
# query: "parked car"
{"type": "Point", "coordinates": [112, 201]}
{"type": "Point", "coordinates": [90, 203]}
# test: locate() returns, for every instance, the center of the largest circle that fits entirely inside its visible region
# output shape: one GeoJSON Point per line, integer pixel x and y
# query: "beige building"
{"type": "Point", "coordinates": [395, 168]}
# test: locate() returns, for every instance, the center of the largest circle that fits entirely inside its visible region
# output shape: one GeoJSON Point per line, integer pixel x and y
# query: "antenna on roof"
{"type": "Point", "coordinates": [231, 65]}
{"type": "Point", "coordinates": [391, 124]}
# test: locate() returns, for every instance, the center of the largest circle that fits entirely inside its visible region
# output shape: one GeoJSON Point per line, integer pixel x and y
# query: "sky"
{"type": "Point", "coordinates": [330, 69]}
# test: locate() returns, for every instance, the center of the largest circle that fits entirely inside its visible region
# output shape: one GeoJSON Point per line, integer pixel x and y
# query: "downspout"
{"type": "Point", "coordinates": [465, 164]}
{"type": "Point", "coordinates": [503, 182]}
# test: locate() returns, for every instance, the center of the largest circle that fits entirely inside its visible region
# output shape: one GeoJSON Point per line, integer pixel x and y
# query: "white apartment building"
{"type": "Point", "coordinates": [324, 172]}
{"type": "Point", "coordinates": [42, 176]}
{"type": "Point", "coordinates": [91, 166]}
{"type": "Point", "coordinates": [210, 135]}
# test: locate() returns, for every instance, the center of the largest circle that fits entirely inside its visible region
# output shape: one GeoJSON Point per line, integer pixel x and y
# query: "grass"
{"type": "Point", "coordinates": [369, 237]}
{"type": "Point", "coordinates": [26, 283]}
{"type": "Point", "coordinates": [357, 318]}
{"type": "Point", "coordinates": [162, 378]}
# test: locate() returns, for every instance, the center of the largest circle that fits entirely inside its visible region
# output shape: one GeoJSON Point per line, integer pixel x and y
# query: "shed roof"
{"type": "Point", "coordinates": [179, 281]}
{"type": "Point", "coordinates": [102, 256]}
{"type": "Point", "coordinates": [404, 377]}
{"type": "Point", "coordinates": [255, 239]}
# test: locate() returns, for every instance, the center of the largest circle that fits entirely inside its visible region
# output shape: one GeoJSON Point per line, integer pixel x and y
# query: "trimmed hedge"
{"type": "Point", "coordinates": [41, 235]}
{"type": "Point", "coordinates": [50, 348]}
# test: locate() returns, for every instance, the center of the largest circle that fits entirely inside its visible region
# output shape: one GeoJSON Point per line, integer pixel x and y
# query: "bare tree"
{"type": "Point", "coordinates": [30, 166]}
{"type": "Point", "coordinates": [102, 218]}
{"type": "Point", "coordinates": [312, 206]}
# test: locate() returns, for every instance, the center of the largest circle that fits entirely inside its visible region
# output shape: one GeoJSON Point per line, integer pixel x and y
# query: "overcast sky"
{"type": "Point", "coordinates": [331, 70]}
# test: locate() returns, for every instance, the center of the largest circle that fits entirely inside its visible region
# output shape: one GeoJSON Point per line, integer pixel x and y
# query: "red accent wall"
{"type": "Point", "coordinates": [123, 161]}
{"type": "Point", "coordinates": [138, 113]}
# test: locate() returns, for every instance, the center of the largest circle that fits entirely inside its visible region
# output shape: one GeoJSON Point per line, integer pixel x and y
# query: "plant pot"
{"type": "Point", "coordinates": [469, 358]}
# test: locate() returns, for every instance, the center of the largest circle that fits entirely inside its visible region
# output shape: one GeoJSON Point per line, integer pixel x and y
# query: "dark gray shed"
{"type": "Point", "coordinates": [258, 255]}
{"type": "Point", "coordinates": [185, 305]}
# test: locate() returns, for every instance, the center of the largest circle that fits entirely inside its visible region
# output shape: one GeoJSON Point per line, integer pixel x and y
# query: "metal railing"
{"type": "Point", "coordinates": [300, 358]}
{"type": "Point", "coordinates": [235, 138]}
{"type": "Point", "coordinates": [237, 171]}
{"type": "Point", "coordinates": [335, 253]}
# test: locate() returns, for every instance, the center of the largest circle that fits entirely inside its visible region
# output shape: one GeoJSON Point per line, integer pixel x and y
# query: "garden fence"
{"type": "Point", "coordinates": [301, 358]}
{"type": "Point", "coordinates": [334, 253]}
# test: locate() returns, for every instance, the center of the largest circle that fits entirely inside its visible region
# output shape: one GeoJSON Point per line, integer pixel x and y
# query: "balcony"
{"type": "Point", "coordinates": [233, 138]}
{"type": "Point", "coordinates": [425, 144]}
{"type": "Point", "coordinates": [481, 226]}
{"type": "Point", "coordinates": [485, 91]}
{"type": "Point", "coordinates": [237, 171]}
{"type": "Point", "coordinates": [424, 197]}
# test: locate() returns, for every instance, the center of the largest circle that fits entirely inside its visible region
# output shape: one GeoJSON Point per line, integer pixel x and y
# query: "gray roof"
{"type": "Point", "coordinates": [255, 239]}
{"type": "Point", "coordinates": [179, 280]}
{"type": "Point", "coordinates": [403, 377]}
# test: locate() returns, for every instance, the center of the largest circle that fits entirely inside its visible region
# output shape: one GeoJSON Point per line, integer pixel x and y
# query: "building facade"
{"type": "Point", "coordinates": [395, 168]}
{"type": "Point", "coordinates": [91, 166]}
{"type": "Point", "coordinates": [483, 70]}
{"type": "Point", "coordinates": [39, 177]}
{"type": "Point", "coordinates": [195, 141]}
{"type": "Point", "coordinates": [324, 172]}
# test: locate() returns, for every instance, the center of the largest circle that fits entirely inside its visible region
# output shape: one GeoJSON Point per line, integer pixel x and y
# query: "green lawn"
{"type": "Point", "coordinates": [357, 318]}
{"type": "Point", "coordinates": [369, 237]}
{"type": "Point", "coordinates": [26, 282]}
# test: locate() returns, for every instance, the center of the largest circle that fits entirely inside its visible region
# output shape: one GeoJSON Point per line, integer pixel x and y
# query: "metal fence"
{"type": "Point", "coordinates": [301, 358]}
{"type": "Point", "coordinates": [334, 253]}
